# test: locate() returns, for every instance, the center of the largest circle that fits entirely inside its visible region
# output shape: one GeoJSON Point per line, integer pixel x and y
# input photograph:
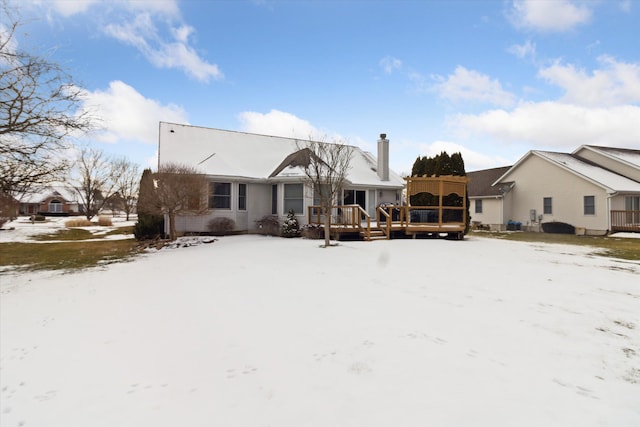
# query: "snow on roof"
{"type": "Point", "coordinates": [43, 193]}
{"type": "Point", "coordinates": [251, 156]}
{"type": "Point", "coordinates": [624, 155]}
{"type": "Point", "coordinates": [603, 177]}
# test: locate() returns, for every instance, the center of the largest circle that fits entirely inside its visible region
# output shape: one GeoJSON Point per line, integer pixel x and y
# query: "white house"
{"type": "Point", "coordinates": [50, 200]}
{"type": "Point", "coordinates": [252, 176]}
{"type": "Point", "coordinates": [595, 189]}
{"type": "Point", "coordinates": [486, 205]}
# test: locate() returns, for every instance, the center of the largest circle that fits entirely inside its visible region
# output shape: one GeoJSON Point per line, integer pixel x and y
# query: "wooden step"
{"type": "Point", "coordinates": [375, 234]}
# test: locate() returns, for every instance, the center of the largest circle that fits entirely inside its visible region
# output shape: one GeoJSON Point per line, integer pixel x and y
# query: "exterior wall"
{"type": "Point", "coordinates": [67, 208]}
{"type": "Point", "coordinates": [259, 205]}
{"type": "Point", "coordinates": [536, 179]}
{"type": "Point", "coordinates": [492, 211]}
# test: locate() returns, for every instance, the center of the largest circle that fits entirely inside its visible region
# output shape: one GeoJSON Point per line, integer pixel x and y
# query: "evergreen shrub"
{"type": "Point", "coordinates": [291, 226]}
{"type": "Point", "coordinates": [149, 227]}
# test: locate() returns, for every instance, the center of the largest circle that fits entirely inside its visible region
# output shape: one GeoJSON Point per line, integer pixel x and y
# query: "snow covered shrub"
{"type": "Point", "coordinates": [221, 226]}
{"type": "Point", "coordinates": [269, 225]}
{"type": "Point", "coordinates": [312, 231]}
{"type": "Point", "coordinates": [291, 227]}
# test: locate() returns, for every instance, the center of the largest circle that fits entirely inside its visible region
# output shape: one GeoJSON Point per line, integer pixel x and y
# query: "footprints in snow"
{"type": "Point", "coordinates": [583, 391]}
{"type": "Point", "coordinates": [246, 370]}
{"type": "Point", "coordinates": [135, 388]}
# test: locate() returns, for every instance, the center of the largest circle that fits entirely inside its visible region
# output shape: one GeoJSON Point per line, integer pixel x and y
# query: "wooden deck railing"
{"type": "Point", "coordinates": [625, 220]}
{"type": "Point", "coordinates": [343, 217]}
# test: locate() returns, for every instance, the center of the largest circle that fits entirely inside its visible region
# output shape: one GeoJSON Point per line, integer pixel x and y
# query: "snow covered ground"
{"type": "Point", "coordinates": [260, 331]}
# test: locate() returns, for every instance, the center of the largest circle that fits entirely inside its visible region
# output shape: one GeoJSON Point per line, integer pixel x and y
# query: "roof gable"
{"type": "Point", "coordinates": [606, 179]}
{"type": "Point", "coordinates": [623, 155]}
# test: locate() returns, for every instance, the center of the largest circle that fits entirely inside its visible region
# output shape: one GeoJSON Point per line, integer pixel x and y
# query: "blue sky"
{"type": "Point", "coordinates": [492, 79]}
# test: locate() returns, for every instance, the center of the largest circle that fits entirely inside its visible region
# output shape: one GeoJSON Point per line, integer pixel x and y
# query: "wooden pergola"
{"type": "Point", "coordinates": [433, 205]}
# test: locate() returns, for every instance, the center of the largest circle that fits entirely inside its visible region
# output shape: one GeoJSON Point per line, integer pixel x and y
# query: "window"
{"type": "Point", "coordinates": [632, 203]}
{"type": "Point", "coordinates": [220, 195]}
{"type": "Point", "coordinates": [589, 205]}
{"type": "Point", "coordinates": [547, 206]}
{"type": "Point", "coordinates": [274, 199]}
{"type": "Point", "coordinates": [242, 197]}
{"type": "Point", "coordinates": [55, 206]}
{"type": "Point", "coordinates": [293, 198]}
{"type": "Point", "coordinates": [478, 205]}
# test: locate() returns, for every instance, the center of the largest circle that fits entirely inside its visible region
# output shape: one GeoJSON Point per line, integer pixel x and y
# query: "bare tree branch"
{"type": "Point", "coordinates": [39, 111]}
{"type": "Point", "coordinates": [179, 189]}
{"type": "Point", "coordinates": [326, 167]}
{"type": "Point", "coordinates": [93, 180]}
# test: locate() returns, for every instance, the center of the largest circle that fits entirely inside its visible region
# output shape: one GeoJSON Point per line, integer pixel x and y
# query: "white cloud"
{"type": "Point", "coordinates": [278, 123]}
{"type": "Point", "coordinates": [155, 28]}
{"type": "Point", "coordinates": [625, 6]}
{"type": "Point", "coordinates": [390, 64]}
{"type": "Point", "coordinates": [556, 125]}
{"type": "Point", "coordinates": [468, 85]}
{"type": "Point", "coordinates": [616, 83]}
{"type": "Point", "coordinates": [126, 115]}
{"type": "Point", "coordinates": [68, 8]}
{"type": "Point", "coordinates": [549, 16]}
{"type": "Point", "coordinates": [526, 50]}
{"type": "Point", "coordinates": [142, 33]}
{"type": "Point", "coordinates": [473, 160]}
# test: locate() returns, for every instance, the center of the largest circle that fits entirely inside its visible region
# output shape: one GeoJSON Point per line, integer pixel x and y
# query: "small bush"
{"type": "Point", "coordinates": [291, 227]}
{"type": "Point", "coordinates": [149, 227]}
{"type": "Point", "coordinates": [312, 231]}
{"type": "Point", "coordinates": [104, 221]}
{"type": "Point", "coordinates": [221, 226]}
{"type": "Point", "coordinates": [38, 218]}
{"type": "Point", "coordinates": [269, 225]}
{"type": "Point", "coordinates": [79, 222]}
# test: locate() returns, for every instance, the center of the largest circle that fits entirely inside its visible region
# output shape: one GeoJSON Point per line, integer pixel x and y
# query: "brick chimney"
{"type": "Point", "coordinates": [383, 157]}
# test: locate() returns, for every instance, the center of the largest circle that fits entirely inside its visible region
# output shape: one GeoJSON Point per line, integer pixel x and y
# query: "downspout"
{"type": "Point", "coordinates": [609, 196]}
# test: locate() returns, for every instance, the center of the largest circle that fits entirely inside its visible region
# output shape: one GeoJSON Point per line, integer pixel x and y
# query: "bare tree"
{"type": "Point", "coordinates": [93, 180]}
{"type": "Point", "coordinates": [180, 189]}
{"type": "Point", "coordinates": [326, 166]}
{"type": "Point", "coordinates": [39, 110]}
{"type": "Point", "coordinates": [126, 175]}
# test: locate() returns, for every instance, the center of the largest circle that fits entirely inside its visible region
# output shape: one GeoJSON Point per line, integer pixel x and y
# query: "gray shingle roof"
{"type": "Point", "coordinates": [480, 182]}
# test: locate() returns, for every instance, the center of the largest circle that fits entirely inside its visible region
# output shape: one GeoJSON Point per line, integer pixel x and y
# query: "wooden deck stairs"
{"type": "Point", "coordinates": [374, 234]}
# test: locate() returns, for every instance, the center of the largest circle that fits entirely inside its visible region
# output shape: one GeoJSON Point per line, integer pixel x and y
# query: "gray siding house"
{"type": "Point", "coordinates": [252, 176]}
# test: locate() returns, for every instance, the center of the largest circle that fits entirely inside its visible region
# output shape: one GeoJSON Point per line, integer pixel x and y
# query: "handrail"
{"type": "Point", "coordinates": [388, 219]}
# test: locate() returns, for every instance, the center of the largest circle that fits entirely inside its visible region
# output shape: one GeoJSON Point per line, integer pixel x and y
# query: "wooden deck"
{"type": "Point", "coordinates": [448, 216]}
{"type": "Point", "coordinates": [625, 221]}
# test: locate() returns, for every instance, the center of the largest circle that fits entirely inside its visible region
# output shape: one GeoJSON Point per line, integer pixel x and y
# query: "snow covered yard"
{"type": "Point", "coordinates": [259, 331]}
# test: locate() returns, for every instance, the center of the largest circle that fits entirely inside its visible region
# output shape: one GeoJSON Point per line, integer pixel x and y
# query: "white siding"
{"type": "Point", "coordinates": [491, 211]}
{"type": "Point", "coordinates": [536, 179]}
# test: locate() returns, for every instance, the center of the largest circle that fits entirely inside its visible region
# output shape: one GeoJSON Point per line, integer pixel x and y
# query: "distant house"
{"type": "Point", "coordinates": [252, 176]}
{"type": "Point", "coordinates": [485, 199]}
{"type": "Point", "coordinates": [50, 200]}
{"type": "Point", "coordinates": [595, 189]}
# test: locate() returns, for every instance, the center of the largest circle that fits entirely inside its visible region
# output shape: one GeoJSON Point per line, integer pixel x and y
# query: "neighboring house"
{"type": "Point", "coordinates": [595, 189]}
{"type": "Point", "coordinates": [485, 199]}
{"type": "Point", "coordinates": [252, 176]}
{"type": "Point", "coordinates": [50, 201]}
